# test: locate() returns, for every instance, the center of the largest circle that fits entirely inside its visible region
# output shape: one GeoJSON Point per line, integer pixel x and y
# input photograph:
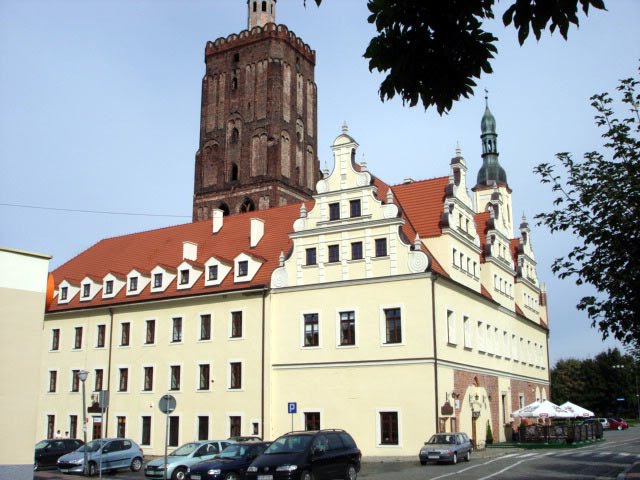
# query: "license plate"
{"type": "Point", "coordinates": [265, 477]}
{"type": "Point", "coordinates": [195, 476]}
{"type": "Point", "coordinates": [434, 455]}
{"type": "Point", "coordinates": [64, 470]}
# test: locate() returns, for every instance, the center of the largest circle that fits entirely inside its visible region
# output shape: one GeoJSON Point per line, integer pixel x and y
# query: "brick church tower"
{"type": "Point", "coordinates": [258, 121]}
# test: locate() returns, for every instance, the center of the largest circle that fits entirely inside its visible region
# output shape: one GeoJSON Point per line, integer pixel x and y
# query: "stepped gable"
{"type": "Point", "coordinates": [145, 250]}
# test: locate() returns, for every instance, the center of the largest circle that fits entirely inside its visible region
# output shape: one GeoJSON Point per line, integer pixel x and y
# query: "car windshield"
{"type": "Point", "coordinates": [92, 446]}
{"type": "Point", "coordinates": [289, 444]}
{"type": "Point", "coordinates": [442, 439]}
{"type": "Point", "coordinates": [186, 449]}
{"type": "Point", "coordinates": [42, 443]}
{"type": "Point", "coordinates": [235, 450]}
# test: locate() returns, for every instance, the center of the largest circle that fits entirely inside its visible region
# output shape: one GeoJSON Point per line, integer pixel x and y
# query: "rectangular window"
{"type": "Point", "coordinates": [356, 251]}
{"type": "Point", "coordinates": [311, 256]}
{"type": "Point", "coordinates": [236, 375]}
{"type": "Point", "coordinates": [184, 277]}
{"type": "Point", "coordinates": [176, 335]}
{"type": "Point", "coordinates": [236, 324]}
{"type": "Point", "coordinates": [354, 208]}
{"type": "Point", "coordinates": [334, 253]}
{"type": "Point", "coordinates": [53, 381]}
{"type": "Point", "coordinates": [86, 290]}
{"type": "Point", "coordinates": [63, 293]}
{"type": "Point", "coordinates": [151, 332]}
{"type": "Point", "coordinates": [255, 428]}
{"type": "Point", "coordinates": [205, 327]}
{"type": "Point", "coordinates": [311, 335]}
{"type": "Point", "coordinates": [203, 428]}
{"type": "Point", "coordinates": [204, 377]}
{"type": "Point", "coordinates": [334, 211]}
{"type": "Point", "coordinates": [145, 437]}
{"type": "Point", "coordinates": [393, 325]}
{"type": "Point", "coordinates": [451, 327]}
{"type": "Point", "coordinates": [133, 284]}
{"type": "Point", "coordinates": [466, 328]}
{"type": "Point", "coordinates": [124, 338]}
{"type": "Point", "coordinates": [243, 268]}
{"type": "Point", "coordinates": [75, 381]}
{"type": "Point", "coordinates": [235, 426]}
{"type": "Point", "coordinates": [102, 329]}
{"type": "Point", "coordinates": [175, 377]}
{"type": "Point", "coordinates": [347, 328]}
{"type": "Point", "coordinates": [389, 428]}
{"type": "Point", "coordinates": [51, 423]}
{"type": "Point", "coordinates": [108, 287]}
{"type": "Point", "coordinates": [78, 341]}
{"type": "Point", "coordinates": [55, 339]}
{"type": "Point", "coordinates": [124, 380]}
{"type": "Point", "coordinates": [481, 341]}
{"type": "Point", "coordinates": [213, 272]}
{"type": "Point", "coordinates": [148, 379]}
{"type": "Point", "coordinates": [73, 426]}
{"type": "Point", "coordinates": [122, 427]}
{"type": "Point", "coordinates": [157, 280]}
{"type": "Point", "coordinates": [174, 431]}
{"type": "Point", "coordinates": [312, 420]}
{"type": "Point", "coordinates": [98, 383]}
{"type": "Point", "coordinates": [381, 247]}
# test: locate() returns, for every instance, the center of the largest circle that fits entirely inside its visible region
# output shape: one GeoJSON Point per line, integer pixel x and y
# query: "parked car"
{"type": "Point", "coordinates": [446, 447]}
{"type": "Point", "coordinates": [103, 454]}
{"type": "Point", "coordinates": [618, 424]}
{"type": "Point", "coordinates": [231, 464]}
{"type": "Point", "coordinates": [48, 451]}
{"type": "Point", "coordinates": [248, 438]}
{"type": "Point", "coordinates": [317, 455]}
{"type": "Point", "coordinates": [183, 457]}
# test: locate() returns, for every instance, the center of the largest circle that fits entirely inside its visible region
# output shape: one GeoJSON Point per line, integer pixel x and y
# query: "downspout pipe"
{"type": "Point", "coordinates": [106, 426]}
{"type": "Point", "coordinates": [435, 345]}
{"type": "Point", "coordinates": [262, 389]}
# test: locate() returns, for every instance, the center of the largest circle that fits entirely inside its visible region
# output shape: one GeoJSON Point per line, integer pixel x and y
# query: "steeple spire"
{"type": "Point", "coordinates": [491, 171]}
{"type": "Point", "coordinates": [261, 12]}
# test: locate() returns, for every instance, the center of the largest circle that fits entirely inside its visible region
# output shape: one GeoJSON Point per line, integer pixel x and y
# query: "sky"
{"type": "Point", "coordinates": [100, 111]}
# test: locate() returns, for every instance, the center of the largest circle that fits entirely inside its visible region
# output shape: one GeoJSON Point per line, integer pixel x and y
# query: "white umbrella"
{"type": "Point", "coordinates": [576, 410]}
{"type": "Point", "coordinates": [543, 409]}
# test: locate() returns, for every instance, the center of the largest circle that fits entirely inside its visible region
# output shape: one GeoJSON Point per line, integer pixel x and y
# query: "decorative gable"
{"type": "Point", "coordinates": [215, 271]}
{"type": "Point", "coordinates": [137, 280]}
{"type": "Point", "coordinates": [112, 283]}
{"type": "Point", "coordinates": [188, 274]}
{"type": "Point", "coordinates": [89, 288]}
{"type": "Point", "coordinates": [161, 277]}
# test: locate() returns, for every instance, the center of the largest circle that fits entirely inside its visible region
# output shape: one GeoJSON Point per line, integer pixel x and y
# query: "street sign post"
{"type": "Point", "coordinates": [292, 408]}
{"type": "Point", "coordinates": [167, 405]}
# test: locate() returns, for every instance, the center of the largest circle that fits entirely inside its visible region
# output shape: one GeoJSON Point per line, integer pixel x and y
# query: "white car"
{"type": "Point", "coordinates": [182, 458]}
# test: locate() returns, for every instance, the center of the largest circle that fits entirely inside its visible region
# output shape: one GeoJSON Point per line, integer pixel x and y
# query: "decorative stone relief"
{"type": "Point", "coordinates": [390, 210]}
{"type": "Point", "coordinates": [418, 262]}
{"type": "Point", "coordinates": [279, 278]}
{"type": "Point", "coordinates": [363, 179]}
{"type": "Point", "coordinates": [322, 186]}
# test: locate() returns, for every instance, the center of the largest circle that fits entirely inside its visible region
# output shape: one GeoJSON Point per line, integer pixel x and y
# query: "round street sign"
{"type": "Point", "coordinates": [167, 403]}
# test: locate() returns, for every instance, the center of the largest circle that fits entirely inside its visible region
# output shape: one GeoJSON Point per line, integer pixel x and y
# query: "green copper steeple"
{"type": "Point", "coordinates": [491, 171]}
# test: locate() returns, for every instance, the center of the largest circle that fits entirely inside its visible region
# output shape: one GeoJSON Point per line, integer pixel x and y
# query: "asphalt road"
{"type": "Point", "coordinates": [601, 461]}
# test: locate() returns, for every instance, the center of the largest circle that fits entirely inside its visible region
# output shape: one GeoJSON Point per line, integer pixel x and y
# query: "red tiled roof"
{"type": "Point", "coordinates": [146, 250]}
{"type": "Point", "coordinates": [422, 203]}
{"type": "Point", "coordinates": [514, 243]}
{"type": "Point", "coordinates": [481, 220]}
{"type": "Point", "coordinates": [485, 292]}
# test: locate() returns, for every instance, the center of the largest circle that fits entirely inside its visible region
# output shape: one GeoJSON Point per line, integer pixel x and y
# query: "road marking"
{"type": "Point", "coordinates": [510, 455]}
{"type": "Point", "coordinates": [529, 457]}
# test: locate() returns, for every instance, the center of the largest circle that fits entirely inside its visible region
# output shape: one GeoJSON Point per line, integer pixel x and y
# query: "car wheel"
{"type": "Point", "coordinates": [231, 476]}
{"type": "Point", "coordinates": [92, 471]}
{"type": "Point", "coordinates": [467, 457]}
{"type": "Point", "coordinates": [179, 474]}
{"type": "Point", "coordinates": [454, 460]}
{"type": "Point", "coordinates": [136, 464]}
{"type": "Point", "coordinates": [351, 474]}
{"type": "Point", "coordinates": [306, 475]}
{"type": "Point", "coordinates": [423, 462]}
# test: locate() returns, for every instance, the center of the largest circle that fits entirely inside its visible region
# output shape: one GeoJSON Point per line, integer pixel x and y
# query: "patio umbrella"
{"type": "Point", "coordinates": [576, 410]}
{"type": "Point", "coordinates": [543, 409]}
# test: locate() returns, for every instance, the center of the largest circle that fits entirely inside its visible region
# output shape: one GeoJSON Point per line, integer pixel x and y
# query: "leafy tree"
{"type": "Point", "coordinates": [598, 200]}
{"type": "Point", "coordinates": [433, 50]}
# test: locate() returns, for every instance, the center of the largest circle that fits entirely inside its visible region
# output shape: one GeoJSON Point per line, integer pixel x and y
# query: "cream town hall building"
{"type": "Point", "coordinates": [391, 311]}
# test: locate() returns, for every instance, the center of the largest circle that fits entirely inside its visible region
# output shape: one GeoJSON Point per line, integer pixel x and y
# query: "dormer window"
{"type": "Point", "coordinates": [243, 268]}
{"type": "Point", "coordinates": [63, 293]}
{"type": "Point", "coordinates": [157, 280]}
{"type": "Point", "coordinates": [184, 277]}
{"type": "Point", "coordinates": [213, 272]}
{"type": "Point", "coordinates": [334, 211]}
{"type": "Point", "coordinates": [354, 206]}
{"type": "Point", "coordinates": [86, 290]}
{"type": "Point", "coordinates": [108, 287]}
{"type": "Point", "coordinates": [133, 284]}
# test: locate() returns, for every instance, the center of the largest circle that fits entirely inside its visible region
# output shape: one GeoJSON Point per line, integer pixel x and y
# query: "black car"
{"type": "Point", "coordinates": [48, 451]}
{"type": "Point", "coordinates": [317, 455]}
{"type": "Point", "coordinates": [231, 464]}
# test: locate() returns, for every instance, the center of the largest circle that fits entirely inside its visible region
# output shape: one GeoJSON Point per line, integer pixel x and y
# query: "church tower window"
{"type": "Point", "coordinates": [234, 173]}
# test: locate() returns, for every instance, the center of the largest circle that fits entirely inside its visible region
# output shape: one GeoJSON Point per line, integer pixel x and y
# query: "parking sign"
{"type": "Point", "coordinates": [292, 407]}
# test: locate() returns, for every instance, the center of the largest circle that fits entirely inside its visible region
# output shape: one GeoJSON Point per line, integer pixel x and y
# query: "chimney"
{"type": "Point", "coordinates": [218, 219]}
{"type": "Point", "coordinates": [189, 251]}
{"type": "Point", "coordinates": [257, 231]}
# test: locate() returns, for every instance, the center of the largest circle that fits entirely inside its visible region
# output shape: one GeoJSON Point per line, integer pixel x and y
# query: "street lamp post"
{"type": "Point", "coordinates": [82, 375]}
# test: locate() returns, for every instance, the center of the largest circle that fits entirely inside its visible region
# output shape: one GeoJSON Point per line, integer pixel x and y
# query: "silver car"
{"type": "Point", "coordinates": [182, 458]}
{"type": "Point", "coordinates": [446, 447]}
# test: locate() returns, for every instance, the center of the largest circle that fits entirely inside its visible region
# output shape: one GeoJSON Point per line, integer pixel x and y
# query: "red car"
{"type": "Point", "coordinates": [618, 424]}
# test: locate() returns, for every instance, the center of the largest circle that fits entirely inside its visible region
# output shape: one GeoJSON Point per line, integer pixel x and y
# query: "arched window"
{"type": "Point", "coordinates": [264, 6]}
{"type": "Point", "coordinates": [225, 209]}
{"type": "Point", "coordinates": [234, 83]}
{"type": "Point", "coordinates": [255, 6]}
{"type": "Point", "coordinates": [353, 155]}
{"type": "Point", "coordinates": [247, 206]}
{"type": "Point", "coordinates": [234, 173]}
{"type": "Point", "coordinates": [235, 134]}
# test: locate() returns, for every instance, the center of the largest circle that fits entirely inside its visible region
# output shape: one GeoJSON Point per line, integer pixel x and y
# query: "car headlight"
{"type": "Point", "coordinates": [252, 469]}
{"type": "Point", "coordinates": [286, 468]}
{"type": "Point", "coordinates": [214, 471]}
